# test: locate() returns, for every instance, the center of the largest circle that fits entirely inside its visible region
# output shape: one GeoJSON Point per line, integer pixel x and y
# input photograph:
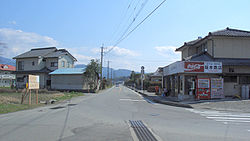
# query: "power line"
{"type": "Point", "coordinates": [134, 19]}
{"type": "Point", "coordinates": [123, 18]}
{"type": "Point", "coordinates": [140, 22]}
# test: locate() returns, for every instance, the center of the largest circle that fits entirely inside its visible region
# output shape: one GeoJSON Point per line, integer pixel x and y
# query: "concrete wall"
{"type": "Point", "coordinates": [231, 47]}
{"type": "Point", "coordinates": [210, 47]}
{"type": "Point", "coordinates": [67, 82]}
{"type": "Point", "coordinates": [184, 53]}
{"type": "Point", "coordinates": [231, 89]}
{"type": "Point", "coordinates": [237, 69]}
{"type": "Point", "coordinates": [191, 51]}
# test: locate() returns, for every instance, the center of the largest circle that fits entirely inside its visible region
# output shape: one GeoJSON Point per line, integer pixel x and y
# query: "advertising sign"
{"type": "Point", "coordinates": [194, 67]}
{"type": "Point", "coordinates": [203, 88]}
{"type": "Point", "coordinates": [213, 67]}
{"type": "Point", "coordinates": [203, 67]}
{"type": "Point", "coordinates": [33, 82]}
{"type": "Point", "coordinates": [217, 88]}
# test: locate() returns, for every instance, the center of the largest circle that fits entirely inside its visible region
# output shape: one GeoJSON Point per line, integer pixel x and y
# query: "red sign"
{"type": "Point", "coordinates": [203, 88]}
{"type": "Point", "coordinates": [194, 67]}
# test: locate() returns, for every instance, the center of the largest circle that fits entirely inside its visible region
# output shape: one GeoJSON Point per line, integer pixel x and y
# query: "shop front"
{"type": "Point", "coordinates": [194, 80]}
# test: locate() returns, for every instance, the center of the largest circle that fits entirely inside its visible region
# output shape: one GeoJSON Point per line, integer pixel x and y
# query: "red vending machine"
{"type": "Point", "coordinates": [203, 88]}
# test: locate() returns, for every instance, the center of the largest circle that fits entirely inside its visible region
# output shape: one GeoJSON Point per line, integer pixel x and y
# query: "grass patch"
{"type": "Point", "coordinates": [11, 101]}
{"type": "Point", "coordinates": [69, 95]}
{"type": "Point", "coordinates": [6, 108]}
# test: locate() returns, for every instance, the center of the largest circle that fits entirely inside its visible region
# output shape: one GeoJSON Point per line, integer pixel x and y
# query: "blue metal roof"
{"type": "Point", "coordinates": [69, 71]}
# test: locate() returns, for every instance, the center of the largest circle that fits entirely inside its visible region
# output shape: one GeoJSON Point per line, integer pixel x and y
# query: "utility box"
{"type": "Point", "coordinates": [245, 92]}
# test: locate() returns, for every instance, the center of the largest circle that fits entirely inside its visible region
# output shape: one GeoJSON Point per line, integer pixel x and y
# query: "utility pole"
{"type": "Point", "coordinates": [111, 76]}
{"type": "Point", "coordinates": [142, 77]}
{"type": "Point", "coordinates": [101, 60]}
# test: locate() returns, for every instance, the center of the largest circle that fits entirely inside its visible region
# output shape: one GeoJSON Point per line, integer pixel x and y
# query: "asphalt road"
{"type": "Point", "coordinates": [105, 116]}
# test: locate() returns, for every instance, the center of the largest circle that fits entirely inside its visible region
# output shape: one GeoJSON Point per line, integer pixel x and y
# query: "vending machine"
{"type": "Point", "coordinates": [203, 88]}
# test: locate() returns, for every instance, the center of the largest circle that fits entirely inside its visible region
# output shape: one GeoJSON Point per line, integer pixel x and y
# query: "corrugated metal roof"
{"type": "Point", "coordinates": [69, 71]}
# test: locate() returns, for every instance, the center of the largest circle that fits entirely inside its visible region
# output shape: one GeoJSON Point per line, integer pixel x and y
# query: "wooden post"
{"type": "Point", "coordinates": [36, 96]}
{"type": "Point", "coordinates": [30, 97]}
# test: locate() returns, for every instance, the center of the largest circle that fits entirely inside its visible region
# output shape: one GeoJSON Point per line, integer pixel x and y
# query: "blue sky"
{"type": "Point", "coordinates": [82, 26]}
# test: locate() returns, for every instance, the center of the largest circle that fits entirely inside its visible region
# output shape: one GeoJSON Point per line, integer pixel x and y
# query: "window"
{"type": "Point", "coordinates": [54, 64]}
{"type": "Point", "coordinates": [232, 79]}
{"type": "Point", "coordinates": [68, 65]}
{"type": "Point", "coordinates": [20, 65]}
{"type": "Point", "coordinates": [33, 63]}
{"type": "Point", "coordinates": [231, 69]}
{"type": "Point", "coordinates": [20, 79]}
{"type": "Point", "coordinates": [244, 79]}
{"type": "Point", "coordinates": [63, 63]}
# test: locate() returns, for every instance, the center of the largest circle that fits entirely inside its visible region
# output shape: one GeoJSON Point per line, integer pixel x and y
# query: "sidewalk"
{"type": "Point", "coordinates": [172, 101]}
{"type": "Point", "coordinates": [227, 104]}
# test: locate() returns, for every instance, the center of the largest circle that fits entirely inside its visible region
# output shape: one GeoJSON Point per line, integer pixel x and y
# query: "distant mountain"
{"type": "Point", "coordinates": [115, 73]}
{"type": "Point", "coordinates": [7, 61]}
{"type": "Point", "coordinates": [80, 66]}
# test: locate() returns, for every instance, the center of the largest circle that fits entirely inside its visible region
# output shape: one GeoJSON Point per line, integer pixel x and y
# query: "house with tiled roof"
{"type": "Point", "coordinates": [41, 61]}
{"type": "Point", "coordinates": [223, 55]}
{"type": "Point", "coordinates": [6, 77]}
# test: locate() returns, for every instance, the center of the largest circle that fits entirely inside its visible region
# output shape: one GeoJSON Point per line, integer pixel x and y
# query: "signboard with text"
{"type": "Point", "coordinates": [203, 67]}
{"type": "Point", "coordinates": [212, 67]}
{"type": "Point", "coordinates": [194, 67]}
{"type": "Point", "coordinates": [217, 88]}
{"type": "Point", "coordinates": [203, 88]}
{"type": "Point", "coordinates": [33, 82]}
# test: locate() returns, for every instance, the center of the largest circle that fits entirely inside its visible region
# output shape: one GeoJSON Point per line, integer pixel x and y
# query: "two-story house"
{"type": "Point", "coordinates": [41, 61]}
{"type": "Point", "coordinates": [7, 79]}
{"type": "Point", "coordinates": [222, 55]}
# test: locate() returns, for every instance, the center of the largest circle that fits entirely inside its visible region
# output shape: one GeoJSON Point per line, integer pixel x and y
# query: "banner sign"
{"type": "Point", "coordinates": [213, 67]}
{"type": "Point", "coordinates": [203, 67]}
{"type": "Point", "coordinates": [33, 82]}
{"type": "Point", "coordinates": [7, 76]}
{"type": "Point", "coordinates": [194, 67]}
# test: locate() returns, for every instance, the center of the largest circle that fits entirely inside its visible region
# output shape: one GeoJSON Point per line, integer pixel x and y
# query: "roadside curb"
{"type": "Point", "coordinates": [170, 103]}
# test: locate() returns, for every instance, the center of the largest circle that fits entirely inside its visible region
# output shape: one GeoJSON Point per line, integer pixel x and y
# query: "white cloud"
{"type": "Point", "coordinates": [122, 51]}
{"type": "Point", "coordinates": [19, 41]}
{"type": "Point", "coordinates": [168, 52]}
{"type": "Point", "coordinates": [78, 54]}
{"type": "Point", "coordinates": [115, 51]}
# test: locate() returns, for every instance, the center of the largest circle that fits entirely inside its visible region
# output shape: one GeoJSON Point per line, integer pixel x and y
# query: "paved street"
{"type": "Point", "coordinates": [105, 116]}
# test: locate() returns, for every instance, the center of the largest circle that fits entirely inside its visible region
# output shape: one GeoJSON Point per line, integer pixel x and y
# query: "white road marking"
{"type": "Point", "coordinates": [145, 99]}
{"type": "Point", "coordinates": [136, 100]}
{"type": "Point", "coordinates": [136, 93]}
{"type": "Point", "coordinates": [223, 116]}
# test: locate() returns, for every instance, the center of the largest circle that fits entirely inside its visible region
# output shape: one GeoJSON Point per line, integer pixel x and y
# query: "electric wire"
{"type": "Point", "coordinates": [134, 19]}
{"type": "Point", "coordinates": [140, 22]}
